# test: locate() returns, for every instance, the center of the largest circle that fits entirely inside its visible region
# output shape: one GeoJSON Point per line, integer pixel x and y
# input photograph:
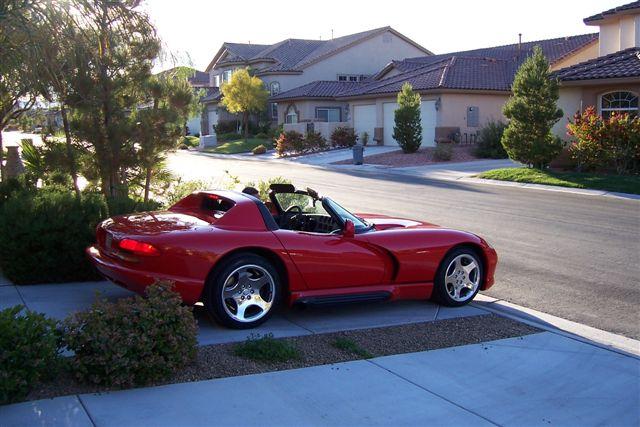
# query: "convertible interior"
{"type": "Point", "coordinates": [302, 210]}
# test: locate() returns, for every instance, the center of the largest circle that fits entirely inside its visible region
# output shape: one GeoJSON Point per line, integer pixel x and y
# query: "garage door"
{"type": "Point", "coordinates": [427, 118]}
{"type": "Point", "coordinates": [389, 122]}
{"type": "Point", "coordinates": [364, 120]}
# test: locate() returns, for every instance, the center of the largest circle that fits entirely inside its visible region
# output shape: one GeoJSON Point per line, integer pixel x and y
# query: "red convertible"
{"type": "Point", "coordinates": [241, 256]}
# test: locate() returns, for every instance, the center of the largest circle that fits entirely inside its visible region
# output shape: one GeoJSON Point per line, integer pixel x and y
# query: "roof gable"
{"type": "Point", "coordinates": [618, 65]}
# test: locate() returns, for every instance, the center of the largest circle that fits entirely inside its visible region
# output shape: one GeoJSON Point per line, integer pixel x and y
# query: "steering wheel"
{"type": "Point", "coordinates": [288, 215]}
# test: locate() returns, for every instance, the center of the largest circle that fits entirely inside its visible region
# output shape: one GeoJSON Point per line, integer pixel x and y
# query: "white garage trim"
{"type": "Point", "coordinates": [428, 119]}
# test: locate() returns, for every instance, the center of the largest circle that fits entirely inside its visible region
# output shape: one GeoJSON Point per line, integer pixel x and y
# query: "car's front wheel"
{"type": "Point", "coordinates": [243, 291]}
{"type": "Point", "coordinates": [459, 277]}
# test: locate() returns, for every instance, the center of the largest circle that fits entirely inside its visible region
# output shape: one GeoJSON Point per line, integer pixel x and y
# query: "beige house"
{"type": "Point", "coordinates": [460, 91]}
{"type": "Point", "coordinates": [293, 63]}
{"type": "Point", "coordinates": [609, 81]}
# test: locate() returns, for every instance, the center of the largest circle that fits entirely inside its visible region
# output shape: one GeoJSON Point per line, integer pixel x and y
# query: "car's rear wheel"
{"type": "Point", "coordinates": [243, 291]}
{"type": "Point", "coordinates": [459, 277]}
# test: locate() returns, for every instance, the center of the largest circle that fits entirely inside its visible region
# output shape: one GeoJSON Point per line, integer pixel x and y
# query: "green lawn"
{"type": "Point", "coordinates": [618, 183]}
{"type": "Point", "coordinates": [240, 146]}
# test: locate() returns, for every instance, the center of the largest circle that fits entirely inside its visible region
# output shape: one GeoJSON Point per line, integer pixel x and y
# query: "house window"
{"type": "Point", "coordinates": [292, 115]}
{"type": "Point", "coordinates": [274, 111]}
{"type": "Point", "coordinates": [618, 102]}
{"type": "Point", "coordinates": [330, 114]}
{"type": "Point", "coordinates": [351, 77]}
{"type": "Point", "coordinates": [226, 76]}
{"type": "Point", "coordinates": [342, 77]}
{"type": "Point", "coordinates": [473, 117]}
{"type": "Point", "coordinates": [274, 88]}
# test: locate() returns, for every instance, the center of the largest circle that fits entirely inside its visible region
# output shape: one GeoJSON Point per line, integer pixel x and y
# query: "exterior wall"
{"type": "Point", "coordinates": [578, 98]}
{"type": "Point", "coordinates": [589, 52]}
{"type": "Point", "coordinates": [307, 109]}
{"type": "Point", "coordinates": [453, 110]}
{"type": "Point", "coordinates": [367, 57]}
{"type": "Point", "coordinates": [619, 34]}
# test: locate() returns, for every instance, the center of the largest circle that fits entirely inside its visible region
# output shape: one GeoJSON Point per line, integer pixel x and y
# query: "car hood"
{"type": "Point", "coordinates": [383, 222]}
{"type": "Point", "coordinates": [152, 223]}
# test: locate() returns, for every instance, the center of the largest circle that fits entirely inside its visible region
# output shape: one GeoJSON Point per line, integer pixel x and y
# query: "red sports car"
{"type": "Point", "coordinates": [241, 256]}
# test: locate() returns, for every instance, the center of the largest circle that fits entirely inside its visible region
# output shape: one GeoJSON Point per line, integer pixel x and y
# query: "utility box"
{"type": "Point", "coordinates": [358, 154]}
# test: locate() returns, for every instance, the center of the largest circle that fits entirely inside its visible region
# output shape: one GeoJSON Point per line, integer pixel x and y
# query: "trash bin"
{"type": "Point", "coordinates": [358, 154]}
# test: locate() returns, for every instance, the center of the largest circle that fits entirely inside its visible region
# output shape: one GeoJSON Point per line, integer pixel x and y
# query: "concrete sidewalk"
{"type": "Point", "coordinates": [540, 379]}
{"type": "Point", "coordinates": [60, 300]}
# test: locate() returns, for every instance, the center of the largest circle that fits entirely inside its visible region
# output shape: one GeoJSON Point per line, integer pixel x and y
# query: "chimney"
{"type": "Point", "coordinates": [332, 34]}
{"type": "Point", "coordinates": [519, 44]}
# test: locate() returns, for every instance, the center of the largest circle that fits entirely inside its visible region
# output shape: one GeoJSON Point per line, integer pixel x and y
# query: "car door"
{"type": "Point", "coordinates": [332, 261]}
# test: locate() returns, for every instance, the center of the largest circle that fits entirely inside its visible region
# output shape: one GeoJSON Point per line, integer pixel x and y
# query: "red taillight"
{"type": "Point", "coordinates": [139, 248]}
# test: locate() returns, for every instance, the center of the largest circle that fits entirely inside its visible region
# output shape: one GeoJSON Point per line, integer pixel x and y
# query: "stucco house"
{"type": "Point", "coordinates": [610, 81]}
{"type": "Point", "coordinates": [460, 91]}
{"type": "Point", "coordinates": [293, 63]}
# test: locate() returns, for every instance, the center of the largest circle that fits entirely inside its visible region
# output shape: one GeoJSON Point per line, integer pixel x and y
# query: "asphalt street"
{"type": "Point", "coordinates": [570, 255]}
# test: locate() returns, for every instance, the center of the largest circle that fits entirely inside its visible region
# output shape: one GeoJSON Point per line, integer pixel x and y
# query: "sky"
{"type": "Point", "coordinates": [193, 30]}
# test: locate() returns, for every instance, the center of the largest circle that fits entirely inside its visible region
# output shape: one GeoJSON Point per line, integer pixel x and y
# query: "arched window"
{"type": "Point", "coordinates": [292, 115]}
{"type": "Point", "coordinates": [275, 88]}
{"type": "Point", "coordinates": [618, 102]}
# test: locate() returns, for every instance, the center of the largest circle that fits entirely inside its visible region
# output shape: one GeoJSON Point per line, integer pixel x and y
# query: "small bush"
{"type": "Point", "coordinates": [343, 137]}
{"type": "Point", "coordinates": [407, 129]}
{"type": "Point", "coordinates": [605, 144]}
{"type": "Point", "coordinates": [364, 138]}
{"type": "Point", "coordinates": [133, 341]}
{"type": "Point", "coordinates": [266, 349]}
{"type": "Point", "coordinates": [262, 135]}
{"type": "Point", "coordinates": [260, 149]}
{"type": "Point", "coordinates": [226, 126]}
{"type": "Point", "coordinates": [489, 145]}
{"type": "Point", "coordinates": [443, 152]}
{"type": "Point", "coordinates": [350, 346]}
{"type": "Point", "coordinates": [44, 234]}
{"type": "Point", "coordinates": [189, 141]}
{"type": "Point", "coordinates": [29, 350]}
{"type": "Point", "coordinates": [290, 141]}
{"type": "Point", "coordinates": [231, 136]}
{"type": "Point", "coordinates": [314, 141]}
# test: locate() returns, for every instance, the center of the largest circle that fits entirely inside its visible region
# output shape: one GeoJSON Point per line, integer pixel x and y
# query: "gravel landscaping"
{"type": "Point", "coordinates": [424, 156]}
{"type": "Point", "coordinates": [221, 360]}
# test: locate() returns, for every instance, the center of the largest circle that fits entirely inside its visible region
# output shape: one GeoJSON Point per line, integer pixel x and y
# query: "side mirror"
{"type": "Point", "coordinates": [349, 230]}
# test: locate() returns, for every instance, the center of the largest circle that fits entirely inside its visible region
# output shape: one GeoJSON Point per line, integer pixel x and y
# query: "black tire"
{"type": "Point", "coordinates": [440, 288]}
{"type": "Point", "coordinates": [214, 302]}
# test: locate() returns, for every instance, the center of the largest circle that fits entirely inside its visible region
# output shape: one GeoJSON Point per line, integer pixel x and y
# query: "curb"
{"type": "Point", "coordinates": [557, 325]}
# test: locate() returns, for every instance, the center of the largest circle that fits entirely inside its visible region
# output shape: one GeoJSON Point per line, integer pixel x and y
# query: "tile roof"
{"type": "Point", "coordinates": [611, 12]}
{"type": "Point", "coordinates": [213, 94]}
{"type": "Point", "coordinates": [490, 68]}
{"type": "Point", "coordinates": [199, 78]}
{"type": "Point", "coordinates": [622, 64]}
{"type": "Point", "coordinates": [317, 89]}
{"type": "Point", "coordinates": [294, 54]}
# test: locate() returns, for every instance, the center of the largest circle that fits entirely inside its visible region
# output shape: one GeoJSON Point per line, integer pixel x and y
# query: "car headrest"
{"type": "Point", "coordinates": [282, 188]}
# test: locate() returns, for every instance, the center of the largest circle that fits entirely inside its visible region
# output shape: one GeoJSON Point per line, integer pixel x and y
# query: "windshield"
{"type": "Point", "coordinates": [344, 214]}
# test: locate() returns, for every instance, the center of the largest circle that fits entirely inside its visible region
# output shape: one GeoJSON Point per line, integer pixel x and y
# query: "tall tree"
{"type": "Point", "coordinates": [408, 126]}
{"type": "Point", "coordinates": [532, 111]}
{"type": "Point", "coordinates": [114, 54]}
{"type": "Point", "coordinates": [244, 94]}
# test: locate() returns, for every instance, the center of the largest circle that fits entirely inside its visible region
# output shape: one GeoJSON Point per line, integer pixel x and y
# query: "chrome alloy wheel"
{"type": "Point", "coordinates": [248, 293]}
{"type": "Point", "coordinates": [462, 277]}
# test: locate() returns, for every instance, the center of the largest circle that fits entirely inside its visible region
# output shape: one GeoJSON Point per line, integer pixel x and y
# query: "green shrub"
{"type": "Point", "coordinates": [44, 234]}
{"type": "Point", "coordinates": [29, 351]}
{"type": "Point", "coordinates": [443, 152]}
{"type": "Point", "coordinates": [407, 129]}
{"type": "Point", "coordinates": [364, 138]}
{"type": "Point", "coordinates": [489, 145]}
{"type": "Point", "coordinates": [260, 149]}
{"type": "Point", "coordinates": [262, 135]}
{"type": "Point", "coordinates": [266, 349]}
{"type": "Point", "coordinates": [127, 205]}
{"type": "Point", "coordinates": [289, 142]}
{"type": "Point", "coordinates": [231, 136]}
{"type": "Point", "coordinates": [133, 341]}
{"type": "Point", "coordinates": [226, 126]}
{"type": "Point", "coordinates": [189, 141]}
{"type": "Point", "coordinates": [605, 144]}
{"type": "Point", "coordinates": [314, 141]}
{"type": "Point", "coordinates": [343, 137]}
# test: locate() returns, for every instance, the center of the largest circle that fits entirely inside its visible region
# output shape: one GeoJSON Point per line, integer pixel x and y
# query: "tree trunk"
{"type": "Point", "coordinates": [70, 157]}
{"type": "Point", "coordinates": [246, 125]}
{"type": "Point", "coordinates": [147, 184]}
{"type": "Point", "coordinates": [1, 157]}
